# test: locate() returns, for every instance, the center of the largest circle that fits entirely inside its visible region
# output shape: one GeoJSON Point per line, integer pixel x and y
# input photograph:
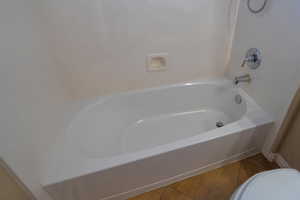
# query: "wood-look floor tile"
{"type": "Point", "coordinates": [172, 194]}
{"type": "Point", "coordinates": [254, 165]}
{"type": "Point", "coordinates": [152, 195]}
{"type": "Point", "coordinates": [214, 185]}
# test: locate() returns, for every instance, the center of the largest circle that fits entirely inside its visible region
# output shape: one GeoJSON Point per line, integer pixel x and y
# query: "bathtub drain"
{"type": "Point", "coordinates": [219, 124]}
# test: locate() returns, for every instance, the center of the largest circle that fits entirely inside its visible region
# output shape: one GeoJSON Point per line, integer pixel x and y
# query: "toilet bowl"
{"type": "Point", "coordinates": [280, 184]}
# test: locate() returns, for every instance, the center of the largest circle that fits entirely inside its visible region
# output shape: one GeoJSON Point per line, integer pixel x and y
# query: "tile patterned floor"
{"type": "Point", "coordinates": [217, 184]}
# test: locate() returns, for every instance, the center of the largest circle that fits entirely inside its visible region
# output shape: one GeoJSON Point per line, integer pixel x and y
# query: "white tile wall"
{"type": "Point", "coordinates": [102, 45]}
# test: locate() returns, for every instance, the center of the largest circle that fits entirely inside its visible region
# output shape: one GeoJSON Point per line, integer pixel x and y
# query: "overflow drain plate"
{"type": "Point", "coordinates": [238, 99]}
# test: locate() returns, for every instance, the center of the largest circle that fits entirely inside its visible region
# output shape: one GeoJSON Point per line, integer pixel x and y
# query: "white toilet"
{"type": "Point", "coordinates": [280, 184]}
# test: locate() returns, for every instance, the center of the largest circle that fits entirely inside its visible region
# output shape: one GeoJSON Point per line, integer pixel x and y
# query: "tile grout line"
{"type": "Point", "coordinates": [162, 194]}
{"type": "Point", "coordinates": [238, 175]}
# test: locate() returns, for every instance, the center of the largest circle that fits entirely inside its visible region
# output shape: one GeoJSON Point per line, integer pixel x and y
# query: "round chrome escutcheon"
{"type": "Point", "coordinates": [255, 56]}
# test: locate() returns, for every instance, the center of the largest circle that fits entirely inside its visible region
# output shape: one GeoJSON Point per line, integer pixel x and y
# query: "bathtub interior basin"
{"type": "Point", "coordinates": [140, 133]}
{"type": "Point", "coordinates": [142, 120]}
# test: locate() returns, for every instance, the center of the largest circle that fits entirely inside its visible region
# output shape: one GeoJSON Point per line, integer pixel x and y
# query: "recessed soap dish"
{"type": "Point", "coordinates": [157, 62]}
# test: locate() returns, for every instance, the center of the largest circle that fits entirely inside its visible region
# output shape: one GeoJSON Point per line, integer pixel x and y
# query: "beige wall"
{"type": "Point", "coordinates": [276, 32]}
{"type": "Point", "coordinates": [101, 46]}
{"type": "Point", "coordinates": [288, 142]}
{"type": "Point", "coordinates": [290, 147]}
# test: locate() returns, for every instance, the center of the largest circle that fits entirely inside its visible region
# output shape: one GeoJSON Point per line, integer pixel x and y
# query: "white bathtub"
{"type": "Point", "coordinates": [133, 142]}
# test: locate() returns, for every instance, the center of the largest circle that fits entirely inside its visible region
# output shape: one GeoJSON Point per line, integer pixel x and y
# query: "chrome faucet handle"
{"type": "Point", "coordinates": [246, 60]}
{"type": "Point", "coordinates": [253, 59]}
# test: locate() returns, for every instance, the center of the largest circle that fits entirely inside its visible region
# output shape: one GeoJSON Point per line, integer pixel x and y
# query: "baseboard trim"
{"type": "Point", "coordinates": [147, 188]}
{"type": "Point", "coordinates": [281, 162]}
{"type": "Point", "coordinates": [269, 155]}
{"type": "Point", "coordinates": [16, 179]}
